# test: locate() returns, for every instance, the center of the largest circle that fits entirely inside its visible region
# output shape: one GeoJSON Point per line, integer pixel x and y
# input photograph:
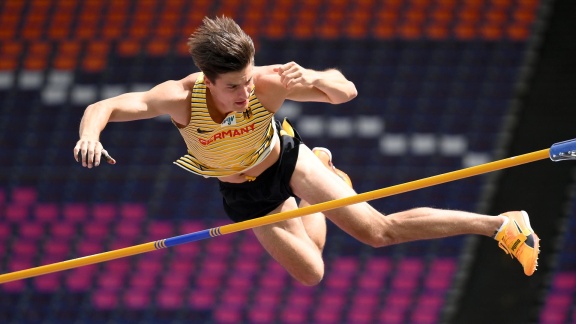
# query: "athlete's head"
{"type": "Point", "coordinates": [220, 46]}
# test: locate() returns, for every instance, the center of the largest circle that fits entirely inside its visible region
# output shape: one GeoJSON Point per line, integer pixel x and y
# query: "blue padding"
{"type": "Point", "coordinates": [187, 238]}
{"type": "Point", "coordinates": [563, 150]}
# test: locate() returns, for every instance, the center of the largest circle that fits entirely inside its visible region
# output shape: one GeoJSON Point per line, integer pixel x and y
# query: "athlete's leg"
{"type": "Point", "coordinates": [297, 244]}
{"type": "Point", "coordinates": [291, 245]}
{"type": "Point", "coordinates": [314, 183]}
{"type": "Point", "coordinates": [315, 224]}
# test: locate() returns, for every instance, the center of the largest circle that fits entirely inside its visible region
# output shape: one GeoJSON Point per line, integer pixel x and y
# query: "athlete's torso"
{"type": "Point", "coordinates": [240, 142]}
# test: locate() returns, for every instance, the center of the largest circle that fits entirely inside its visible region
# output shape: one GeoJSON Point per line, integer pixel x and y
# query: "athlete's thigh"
{"type": "Point", "coordinates": [281, 233]}
{"type": "Point", "coordinates": [313, 182]}
{"type": "Point", "coordinates": [287, 241]}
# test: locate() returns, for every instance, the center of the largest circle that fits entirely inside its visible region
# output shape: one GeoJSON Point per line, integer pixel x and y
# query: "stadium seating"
{"type": "Point", "coordinates": [436, 79]}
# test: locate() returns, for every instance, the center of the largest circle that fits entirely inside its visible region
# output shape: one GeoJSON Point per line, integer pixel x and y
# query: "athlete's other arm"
{"type": "Point", "coordinates": [303, 84]}
{"type": "Point", "coordinates": [166, 98]}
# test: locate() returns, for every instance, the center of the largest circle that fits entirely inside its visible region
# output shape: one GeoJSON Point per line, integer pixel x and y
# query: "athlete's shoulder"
{"type": "Point", "coordinates": [189, 81]}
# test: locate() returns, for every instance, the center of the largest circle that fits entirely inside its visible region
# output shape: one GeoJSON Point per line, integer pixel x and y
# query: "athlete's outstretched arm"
{"type": "Point", "coordinates": [165, 98]}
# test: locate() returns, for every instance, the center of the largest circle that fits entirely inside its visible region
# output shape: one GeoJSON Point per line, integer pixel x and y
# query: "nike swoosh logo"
{"type": "Point", "coordinates": [202, 131]}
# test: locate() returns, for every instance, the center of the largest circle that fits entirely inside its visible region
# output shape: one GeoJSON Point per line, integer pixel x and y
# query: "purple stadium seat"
{"type": "Point", "coordinates": [186, 251]}
{"type": "Point", "coordinates": [48, 283]}
{"type": "Point", "coordinates": [158, 230]}
{"type": "Point", "coordinates": [391, 315]}
{"type": "Point", "coordinates": [190, 226]}
{"type": "Point", "coordinates": [16, 213]}
{"type": "Point", "coordinates": [17, 286]}
{"type": "Point", "coordinates": [78, 281]}
{"type": "Point", "coordinates": [246, 264]}
{"type": "Point", "coordinates": [228, 315]}
{"type": "Point", "coordinates": [110, 281]}
{"type": "Point", "coordinates": [218, 248]}
{"type": "Point", "coordinates": [208, 282]}
{"type": "Point", "coordinates": [142, 281]}
{"type": "Point", "coordinates": [127, 231]}
{"type": "Point", "coordinates": [150, 266]}
{"type": "Point", "coordinates": [233, 299]}
{"type": "Point", "coordinates": [104, 212]}
{"type": "Point", "coordinates": [31, 231]}
{"type": "Point", "coordinates": [267, 299]}
{"type": "Point", "coordinates": [118, 266]}
{"type": "Point", "coordinates": [168, 298]}
{"type": "Point", "coordinates": [214, 267]}
{"type": "Point", "coordinates": [548, 315]}
{"type": "Point", "coordinates": [202, 298]}
{"type": "Point", "coordinates": [364, 302]}
{"type": "Point", "coordinates": [46, 212]}
{"type": "Point", "coordinates": [399, 299]}
{"type": "Point", "coordinates": [24, 249]}
{"type": "Point", "coordinates": [272, 281]}
{"type": "Point", "coordinates": [326, 315]}
{"type": "Point", "coordinates": [175, 282]}
{"type": "Point", "coordinates": [369, 282]}
{"type": "Point", "coordinates": [261, 313]}
{"type": "Point", "coordinates": [75, 212]}
{"type": "Point", "coordinates": [564, 281]}
{"type": "Point", "coordinates": [181, 266]}
{"type": "Point", "coordinates": [136, 299]}
{"type": "Point", "coordinates": [24, 195]}
{"type": "Point", "coordinates": [96, 231]}
{"type": "Point", "coordinates": [239, 283]}
{"type": "Point", "coordinates": [105, 299]}
{"type": "Point", "coordinates": [89, 246]}
{"type": "Point", "coordinates": [294, 314]}
{"type": "Point", "coordinates": [61, 230]}
{"type": "Point", "coordinates": [57, 248]}
{"type": "Point", "coordinates": [250, 247]}
{"type": "Point", "coordinates": [359, 316]}
{"type": "Point", "coordinates": [424, 317]}
{"type": "Point", "coordinates": [133, 212]}
{"type": "Point", "coordinates": [378, 266]}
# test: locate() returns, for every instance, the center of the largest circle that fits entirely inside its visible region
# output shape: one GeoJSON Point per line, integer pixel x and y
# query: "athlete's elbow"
{"type": "Point", "coordinates": [351, 92]}
{"type": "Point", "coordinates": [348, 94]}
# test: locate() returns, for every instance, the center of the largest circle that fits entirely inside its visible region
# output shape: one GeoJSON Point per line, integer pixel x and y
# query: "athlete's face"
{"type": "Point", "coordinates": [231, 90]}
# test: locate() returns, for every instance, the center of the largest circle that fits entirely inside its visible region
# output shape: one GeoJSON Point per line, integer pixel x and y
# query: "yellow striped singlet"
{"type": "Point", "coordinates": [240, 142]}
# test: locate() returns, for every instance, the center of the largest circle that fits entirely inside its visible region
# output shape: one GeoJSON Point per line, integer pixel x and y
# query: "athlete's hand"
{"type": "Point", "coordinates": [90, 152]}
{"type": "Point", "coordinates": [292, 74]}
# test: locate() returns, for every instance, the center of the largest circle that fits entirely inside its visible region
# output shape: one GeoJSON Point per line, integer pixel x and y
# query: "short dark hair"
{"type": "Point", "coordinates": [219, 46]}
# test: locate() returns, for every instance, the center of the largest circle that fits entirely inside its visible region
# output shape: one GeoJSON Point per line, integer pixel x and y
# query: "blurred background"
{"type": "Point", "coordinates": [443, 85]}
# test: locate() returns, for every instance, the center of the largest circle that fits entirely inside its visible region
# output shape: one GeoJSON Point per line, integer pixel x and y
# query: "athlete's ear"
{"type": "Point", "coordinates": [208, 82]}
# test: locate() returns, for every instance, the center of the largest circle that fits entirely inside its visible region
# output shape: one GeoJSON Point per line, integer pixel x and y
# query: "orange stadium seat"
{"type": "Point", "coordinates": [9, 20]}
{"type": "Point", "coordinates": [10, 52]}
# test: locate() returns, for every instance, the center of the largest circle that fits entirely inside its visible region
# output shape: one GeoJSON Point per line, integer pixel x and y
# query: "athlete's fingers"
{"type": "Point", "coordinates": [76, 151]}
{"type": "Point", "coordinates": [108, 158]}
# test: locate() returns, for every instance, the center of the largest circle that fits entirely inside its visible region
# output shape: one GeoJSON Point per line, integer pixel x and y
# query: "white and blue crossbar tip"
{"type": "Point", "coordinates": [562, 151]}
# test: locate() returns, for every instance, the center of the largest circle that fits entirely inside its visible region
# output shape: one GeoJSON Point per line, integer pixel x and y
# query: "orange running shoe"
{"type": "Point", "coordinates": [518, 239]}
{"type": "Point", "coordinates": [325, 156]}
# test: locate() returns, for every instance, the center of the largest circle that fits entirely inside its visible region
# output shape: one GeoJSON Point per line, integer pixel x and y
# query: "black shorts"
{"type": "Point", "coordinates": [253, 199]}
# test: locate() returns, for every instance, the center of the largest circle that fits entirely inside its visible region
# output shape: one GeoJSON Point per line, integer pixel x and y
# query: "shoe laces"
{"type": "Point", "coordinates": [505, 248]}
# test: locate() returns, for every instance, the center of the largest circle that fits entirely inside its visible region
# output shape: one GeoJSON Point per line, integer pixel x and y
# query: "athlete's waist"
{"type": "Point", "coordinates": [255, 170]}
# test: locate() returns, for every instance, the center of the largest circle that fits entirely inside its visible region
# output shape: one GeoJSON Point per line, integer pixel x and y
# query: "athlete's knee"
{"type": "Point", "coordinates": [387, 232]}
{"type": "Point", "coordinates": [310, 277]}
{"type": "Point", "coordinates": [379, 234]}
{"type": "Point", "coordinates": [378, 240]}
